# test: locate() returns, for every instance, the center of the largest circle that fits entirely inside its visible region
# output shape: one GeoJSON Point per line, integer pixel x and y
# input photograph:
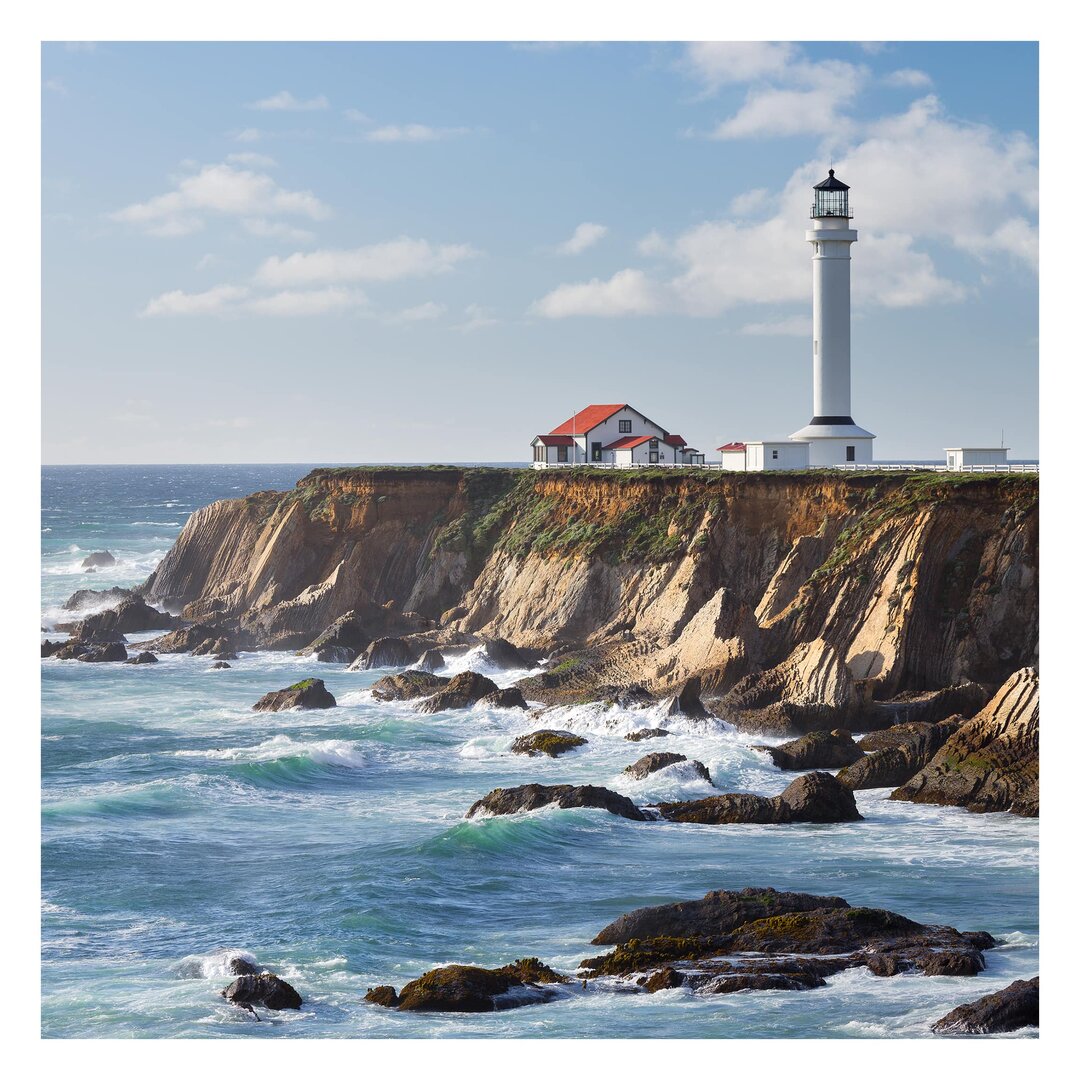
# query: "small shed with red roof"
{"type": "Point", "coordinates": [733, 456]}
{"type": "Point", "coordinates": [612, 435]}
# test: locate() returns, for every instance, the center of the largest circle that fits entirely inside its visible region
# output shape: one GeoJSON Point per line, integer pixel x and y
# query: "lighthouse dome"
{"type": "Point", "coordinates": [831, 198]}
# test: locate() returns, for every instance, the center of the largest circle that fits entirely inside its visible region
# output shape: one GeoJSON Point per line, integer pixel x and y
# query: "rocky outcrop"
{"type": "Point", "coordinates": [896, 754]}
{"type": "Point", "coordinates": [385, 653]}
{"type": "Point", "coordinates": [528, 797]}
{"type": "Point", "coordinates": [431, 660]}
{"type": "Point", "coordinates": [407, 685]}
{"type": "Point", "coordinates": [306, 694]}
{"type": "Point", "coordinates": [143, 658]}
{"type": "Point", "coordinates": [467, 989]}
{"type": "Point", "coordinates": [816, 798]}
{"type": "Point", "coordinates": [341, 642]}
{"type": "Point", "coordinates": [84, 600]}
{"type": "Point", "coordinates": [818, 750]}
{"type": "Point", "coordinates": [646, 733]}
{"type": "Point", "coordinates": [50, 648]}
{"type": "Point", "coordinates": [112, 653]}
{"type": "Point", "coordinates": [130, 617]}
{"type": "Point", "coordinates": [1015, 1007]}
{"type": "Point", "coordinates": [220, 665]}
{"type": "Point", "coordinates": [776, 941]}
{"type": "Point", "coordinates": [549, 742]}
{"type": "Point", "coordinates": [459, 693]}
{"type": "Point", "coordinates": [509, 698]}
{"type": "Point", "coordinates": [97, 559]}
{"type": "Point", "coordinates": [687, 702]}
{"type": "Point", "coordinates": [651, 763]}
{"type": "Point", "coordinates": [263, 989]}
{"type": "Point", "coordinates": [199, 639]}
{"type": "Point", "coordinates": [992, 761]}
{"type": "Point", "coordinates": [499, 653]}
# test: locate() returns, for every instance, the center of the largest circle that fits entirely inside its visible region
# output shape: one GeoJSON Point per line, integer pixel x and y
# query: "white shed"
{"type": "Point", "coordinates": [733, 456]}
{"type": "Point", "coordinates": [780, 454]}
{"type": "Point", "coordinates": [957, 457]}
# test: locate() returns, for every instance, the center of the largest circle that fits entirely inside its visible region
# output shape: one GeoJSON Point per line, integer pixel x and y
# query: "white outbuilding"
{"type": "Point", "coordinates": [779, 454]}
{"type": "Point", "coordinates": [732, 456]}
{"type": "Point", "coordinates": [959, 457]}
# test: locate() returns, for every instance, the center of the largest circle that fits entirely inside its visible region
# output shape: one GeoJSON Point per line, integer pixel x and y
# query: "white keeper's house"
{"type": "Point", "coordinates": [614, 435]}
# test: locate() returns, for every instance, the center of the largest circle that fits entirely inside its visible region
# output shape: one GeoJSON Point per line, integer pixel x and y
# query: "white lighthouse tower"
{"type": "Point", "coordinates": [834, 437]}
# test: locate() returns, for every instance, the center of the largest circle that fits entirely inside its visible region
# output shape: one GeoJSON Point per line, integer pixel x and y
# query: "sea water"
{"type": "Point", "coordinates": [179, 827]}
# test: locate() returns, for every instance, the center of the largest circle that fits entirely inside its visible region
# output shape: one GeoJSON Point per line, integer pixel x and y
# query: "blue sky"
{"type": "Point", "coordinates": [418, 252]}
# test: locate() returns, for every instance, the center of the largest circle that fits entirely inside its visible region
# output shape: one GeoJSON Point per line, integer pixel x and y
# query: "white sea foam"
{"type": "Point", "coordinates": [212, 965]}
{"type": "Point", "coordinates": [277, 747]}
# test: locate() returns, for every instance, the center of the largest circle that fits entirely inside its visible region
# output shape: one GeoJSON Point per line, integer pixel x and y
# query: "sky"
{"type": "Point", "coordinates": [279, 252]}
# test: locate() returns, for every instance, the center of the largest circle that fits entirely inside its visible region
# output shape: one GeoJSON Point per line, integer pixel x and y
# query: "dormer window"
{"type": "Point", "coordinates": [624, 427]}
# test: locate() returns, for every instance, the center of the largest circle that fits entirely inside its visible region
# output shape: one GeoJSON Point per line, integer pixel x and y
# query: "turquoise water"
{"type": "Point", "coordinates": [177, 823]}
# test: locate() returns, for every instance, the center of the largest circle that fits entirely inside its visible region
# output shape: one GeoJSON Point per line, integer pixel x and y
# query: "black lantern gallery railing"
{"type": "Point", "coordinates": [831, 204]}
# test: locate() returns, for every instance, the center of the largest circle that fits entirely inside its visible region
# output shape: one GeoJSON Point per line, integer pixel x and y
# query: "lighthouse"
{"type": "Point", "coordinates": [833, 436]}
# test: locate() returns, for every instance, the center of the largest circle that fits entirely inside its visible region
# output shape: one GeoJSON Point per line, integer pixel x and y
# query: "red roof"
{"type": "Point", "coordinates": [581, 423]}
{"type": "Point", "coordinates": [555, 440]}
{"type": "Point", "coordinates": [628, 442]}
{"type": "Point", "coordinates": [732, 446]}
{"type": "Point", "coordinates": [675, 440]}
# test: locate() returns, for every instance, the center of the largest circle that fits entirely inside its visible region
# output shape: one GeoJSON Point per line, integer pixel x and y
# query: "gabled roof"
{"type": "Point", "coordinates": [732, 446]}
{"type": "Point", "coordinates": [830, 183]}
{"type": "Point", "coordinates": [581, 423]}
{"type": "Point", "coordinates": [675, 440]}
{"type": "Point", "coordinates": [554, 440]}
{"type": "Point", "coordinates": [628, 442]}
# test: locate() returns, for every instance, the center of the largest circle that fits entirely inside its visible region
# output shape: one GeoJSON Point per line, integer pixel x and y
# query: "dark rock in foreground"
{"type": "Point", "coordinates": [651, 763]}
{"type": "Point", "coordinates": [239, 965]}
{"type": "Point", "coordinates": [460, 692]}
{"type": "Point", "coordinates": [98, 558]}
{"type": "Point", "coordinates": [1015, 1007]}
{"type": "Point", "coordinates": [306, 694]}
{"type": "Point", "coordinates": [534, 796]}
{"type": "Point", "coordinates": [546, 741]}
{"type": "Point", "coordinates": [387, 652]}
{"type": "Point", "coordinates": [111, 653]}
{"type": "Point", "coordinates": [221, 665]}
{"type": "Point", "coordinates": [992, 761]}
{"type": "Point", "coordinates": [762, 939]}
{"type": "Point", "coordinates": [818, 750]}
{"type": "Point", "coordinates": [687, 702]}
{"type": "Point", "coordinates": [49, 648]}
{"type": "Point", "coordinates": [510, 698]}
{"type": "Point", "coordinates": [462, 988]}
{"type": "Point", "coordinates": [264, 989]}
{"type": "Point", "coordinates": [814, 798]}
{"type": "Point", "coordinates": [407, 685]}
{"type": "Point", "coordinates": [897, 754]}
{"type": "Point", "coordinates": [143, 658]}
{"type": "Point", "coordinates": [647, 733]}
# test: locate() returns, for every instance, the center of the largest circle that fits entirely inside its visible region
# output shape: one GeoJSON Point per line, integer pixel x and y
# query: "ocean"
{"type": "Point", "coordinates": [331, 846]}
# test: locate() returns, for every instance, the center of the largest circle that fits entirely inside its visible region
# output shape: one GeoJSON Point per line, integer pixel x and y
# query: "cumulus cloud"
{"type": "Point", "coordinates": [358, 117]}
{"type": "Point", "coordinates": [218, 189]}
{"type": "Point", "coordinates": [629, 292]}
{"type": "Point", "coordinates": [290, 302]}
{"type": "Point", "coordinates": [277, 230]}
{"type": "Point", "coordinates": [413, 133]}
{"type": "Point", "coordinates": [476, 318]}
{"type": "Point", "coordinates": [283, 101]}
{"type": "Point", "coordinates": [585, 236]}
{"type": "Point", "coordinates": [389, 261]}
{"type": "Point", "coordinates": [720, 63]}
{"type": "Point", "coordinates": [249, 134]}
{"type": "Point", "coordinates": [919, 178]}
{"type": "Point", "coordinates": [908, 77]}
{"type": "Point", "coordinates": [211, 302]}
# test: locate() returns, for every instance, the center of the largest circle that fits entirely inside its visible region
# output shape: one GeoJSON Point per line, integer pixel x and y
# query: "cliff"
{"type": "Point", "coordinates": [803, 597]}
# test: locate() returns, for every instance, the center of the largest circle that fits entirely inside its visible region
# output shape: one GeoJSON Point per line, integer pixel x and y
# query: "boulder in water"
{"type": "Point", "coordinates": [818, 750]}
{"type": "Point", "coordinates": [1015, 1007]}
{"type": "Point", "coordinates": [387, 652]}
{"type": "Point", "coordinates": [407, 685]}
{"type": "Point", "coordinates": [220, 665]}
{"type": "Point", "coordinates": [510, 698]}
{"type": "Point", "coordinates": [647, 733]}
{"type": "Point", "coordinates": [499, 653]}
{"type": "Point", "coordinates": [84, 599]}
{"type": "Point", "coordinates": [341, 642]}
{"type": "Point", "coordinates": [386, 996]}
{"type": "Point", "coordinates": [897, 754]}
{"type": "Point", "coordinates": [306, 694]}
{"type": "Point", "coordinates": [431, 660]}
{"type": "Point", "coordinates": [262, 989]}
{"type": "Point", "coordinates": [49, 648]}
{"type": "Point", "coordinates": [132, 616]}
{"type": "Point", "coordinates": [547, 741]}
{"type": "Point", "coordinates": [112, 652]}
{"type": "Point", "coordinates": [460, 692]}
{"type": "Point", "coordinates": [462, 988]}
{"type": "Point", "coordinates": [820, 797]}
{"type": "Point", "coordinates": [519, 800]}
{"type": "Point", "coordinates": [651, 763]}
{"type": "Point", "coordinates": [142, 658]}
{"type": "Point", "coordinates": [98, 558]}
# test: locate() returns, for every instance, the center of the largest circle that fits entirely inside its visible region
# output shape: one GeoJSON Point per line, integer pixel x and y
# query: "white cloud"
{"type": "Point", "coordinates": [206, 261]}
{"type": "Point", "coordinates": [476, 318]}
{"type": "Point", "coordinates": [908, 77]}
{"type": "Point", "coordinates": [413, 133]}
{"type": "Point", "coordinates": [211, 302]}
{"type": "Point", "coordinates": [249, 157]}
{"type": "Point", "coordinates": [389, 261]}
{"type": "Point", "coordinates": [750, 202]}
{"type": "Point", "coordinates": [283, 101]}
{"type": "Point", "coordinates": [585, 236]}
{"type": "Point", "coordinates": [290, 302]}
{"type": "Point", "coordinates": [277, 230]}
{"type": "Point", "coordinates": [219, 189]}
{"type": "Point", "coordinates": [358, 117]}
{"type": "Point", "coordinates": [793, 326]}
{"type": "Point", "coordinates": [719, 63]}
{"type": "Point", "coordinates": [248, 135]}
{"type": "Point", "coordinates": [56, 86]}
{"type": "Point", "coordinates": [628, 292]}
{"type": "Point", "coordinates": [420, 313]}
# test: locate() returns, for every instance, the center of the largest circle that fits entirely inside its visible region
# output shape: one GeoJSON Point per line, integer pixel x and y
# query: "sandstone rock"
{"type": "Point", "coordinates": [341, 642]}
{"type": "Point", "coordinates": [820, 797]}
{"type": "Point", "coordinates": [49, 648]}
{"type": "Point", "coordinates": [650, 763]}
{"type": "Point", "coordinates": [814, 798]}
{"type": "Point", "coordinates": [991, 762]}
{"type": "Point", "coordinates": [82, 599]}
{"type": "Point", "coordinates": [219, 647]}
{"type": "Point", "coordinates": [510, 698]}
{"type": "Point", "coordinates": [501, 654]}
{"type": "Point", "coordinates": [461, 988]}
{"type": "Point", "coordinates": [665, 979]}
{"type": "Point", "coordinates": [385, 653]}
{"type": "Point", "coordinates": [546, 741]}
{"type": "Point", "coordinates": [130, 617]}
{"type": "Point", "coordinates": [534, 796]}
{"type": "Point", "coordinates": [263, 989]}
{"type": "Point", "coordinates": [460, 692]}
{"type": "Point", "coordinates": [98, 558]}
{"type": "Point", "coordinates": [626, 697]}
{"type": "Point", "coordinates": [386, 996]}
{"type": "Point", "coordinates": [113, 652]}
{"type": "Point", "coordinates": [186, 639]}
{"type": "Point", "coordinates": [335, 654]}
{"type": "Point", "coordinates": [646, 733]}
{"type": "Point", "coordinates": [143, 658]}
{"type": "Point", "coordinates": [733, 984]}
{"type": "Point", "coordinates": [1015, 1007]}
{"type": "Point", "coordinates": [930, 706]}
{"type": "Point", "coordinates": [818, 750]}
{"type": "Point", "coordinates": [407, 685]}
{"type": "Point", "coordinates": [898, 753]}
{"type": "Point", "coordinates": [71, 650]}
{"type": "Point", "coordinates": [431, 660]}
{"type": "Point", "coordinates": [306, 694]}
{"type": "Point", "coordinates": [687, 702]}
{"type": "Point", "coordinates": [226, 654]}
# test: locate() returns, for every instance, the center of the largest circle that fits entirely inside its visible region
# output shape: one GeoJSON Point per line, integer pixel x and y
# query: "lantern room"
{"type": "Point", "coordinates": [831, 198]}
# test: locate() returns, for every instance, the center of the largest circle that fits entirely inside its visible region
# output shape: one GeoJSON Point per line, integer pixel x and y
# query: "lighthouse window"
{"type": "Point", "coordinates": [851, 453]}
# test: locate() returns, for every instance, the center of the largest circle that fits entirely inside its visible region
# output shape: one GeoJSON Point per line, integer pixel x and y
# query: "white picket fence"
{"type": "Point", "coordinates": [848, 466]}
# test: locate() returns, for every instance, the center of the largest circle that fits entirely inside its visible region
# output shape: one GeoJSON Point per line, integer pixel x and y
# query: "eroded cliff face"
{"type": "Point", "coordinates": [814, 589]}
